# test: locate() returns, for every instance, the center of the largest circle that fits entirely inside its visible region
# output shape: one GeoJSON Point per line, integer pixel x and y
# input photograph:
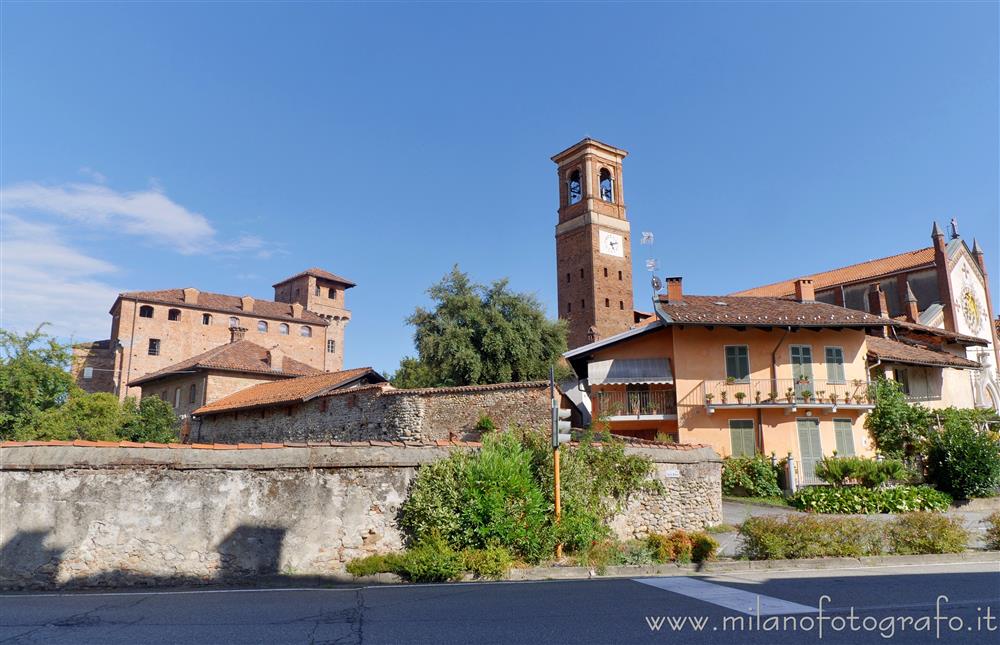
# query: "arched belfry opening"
{"type": "Point", "coordinates": [607, 184]}
{"type": "Point", "coordinates": [574, 187]}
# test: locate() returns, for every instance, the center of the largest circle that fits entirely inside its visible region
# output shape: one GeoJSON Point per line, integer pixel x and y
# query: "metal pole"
{"type": "Point", "coordinates": [555, 451]}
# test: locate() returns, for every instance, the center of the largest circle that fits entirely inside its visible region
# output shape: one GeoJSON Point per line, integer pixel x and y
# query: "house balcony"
{"type": "Point", "coordinates": [652, 405]}
{"type": "Point", "coordinates": [790, 394]}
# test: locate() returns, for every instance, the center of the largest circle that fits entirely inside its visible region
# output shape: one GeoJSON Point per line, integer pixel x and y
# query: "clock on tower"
{"type": "Point", "coordinates": [593, 248]}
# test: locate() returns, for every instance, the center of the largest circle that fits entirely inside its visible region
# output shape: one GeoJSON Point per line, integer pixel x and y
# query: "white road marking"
{"type": "Point", "coordinates": [728, 597]}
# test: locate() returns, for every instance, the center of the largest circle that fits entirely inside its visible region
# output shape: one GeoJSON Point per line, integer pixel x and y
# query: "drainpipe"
{"type": "Point", "coordinates": [774, 384]}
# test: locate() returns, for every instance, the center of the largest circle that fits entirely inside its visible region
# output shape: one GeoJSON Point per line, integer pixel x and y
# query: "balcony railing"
{"type": "Point", "coordinates": [785, 392]}
{"type": "Point", "coordinates": [654, 403]}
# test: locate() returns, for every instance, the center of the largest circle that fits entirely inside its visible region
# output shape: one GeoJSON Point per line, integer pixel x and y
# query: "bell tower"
{"type": "Point", "coordinates": [593, 243]}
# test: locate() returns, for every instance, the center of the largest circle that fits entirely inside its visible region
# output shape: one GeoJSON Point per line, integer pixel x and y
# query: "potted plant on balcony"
{"type": "Point", "coordinates": [803, 379]}
{"type": "Point", "coordinates": [772, 396]}
{"type": "Point", "coordinates": [708, 398]}
{"type": "Point", "coordinates": [820, 395]}
{"type": "Point", "coordinates": [833, 398]}
{"type": "Point", "coordinates": [724, 395]}
{"type": "Point", "coordinates": [756, 397]}
{"type": "Point", "coordinates": [790, 394]}
{"type": "Point", "coordinates": [740, 396]}
{"type": "Point", "coordinates": [635, 403]}
{"type": "Point", "coordinates": [807, 395]}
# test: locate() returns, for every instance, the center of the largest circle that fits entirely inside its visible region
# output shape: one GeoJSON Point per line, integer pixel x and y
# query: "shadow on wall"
{"type": "Point", "coordinates": [248, 554]}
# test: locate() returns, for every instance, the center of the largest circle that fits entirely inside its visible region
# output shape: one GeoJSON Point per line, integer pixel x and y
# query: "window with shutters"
{"type": "Point", "coordinates": [902, 377]}
{"type": "Point", "coordinates": [738, 362]}
{"type": "Point", "coordinates": [835, 365]}
{"type": "Point", "coordinates": [844, 431]}
{"type": "Point", "coordinates": [741, 436]}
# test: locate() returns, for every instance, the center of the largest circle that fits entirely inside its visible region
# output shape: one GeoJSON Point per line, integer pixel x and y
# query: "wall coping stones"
{"type": "Point", "coordinates": [64, 455]}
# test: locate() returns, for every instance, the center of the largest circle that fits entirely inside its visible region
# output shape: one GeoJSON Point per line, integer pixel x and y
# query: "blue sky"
{"type": "Point", "coordinates": [226, 146]}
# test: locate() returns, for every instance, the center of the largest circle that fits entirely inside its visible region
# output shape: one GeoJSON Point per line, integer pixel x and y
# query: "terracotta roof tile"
{"type": "Point", "coordinates": [319, 273]}
{"type": "Point", "coordinates": [353, 444]}
{"type": "Point", "coordinates": [760, 311]}
{"type": "Point", "coordinates": [227, 304]}
{"type": "Point", "coordinates": [886, 349]}
{"type": "Point", "coordinates": [287, 391]}
{"type": "Point", "coordinates": [846, 275]}
{"type": "Point", "coordinates": [458, 389]}
{"type": "Point", "coordinates": [240, 356]}
{"type": "Point", "coordinates": [908, 326]}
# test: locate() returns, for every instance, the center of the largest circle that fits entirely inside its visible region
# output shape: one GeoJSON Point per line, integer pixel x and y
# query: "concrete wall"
{"type": "Point", "coordinates": [77, 515]}
{"type": "Point", "coordinates": [384, 414]}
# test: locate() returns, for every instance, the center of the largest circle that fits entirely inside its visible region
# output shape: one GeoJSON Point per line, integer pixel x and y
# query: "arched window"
{"type": "Point", "coordinates": [145, 311]}
{"type": "Point", "coordinates": [206, 319]}
{"type": "Point", "coordinates": [234, 321]}
{"type": "Point", "coordinates": [174, 314]}
{"type": "Point", "coordinates": [306, 331]}
{"type": "Point", "coordinates": [574, 187]}
{"type": "Point", "coordinates": [193, 393]}
{"type": "Point", "coordinates": [607, 186]}
{"type": "Point", "coordinates": [283, 329]}
{"type": "Point", "coordinates": [262, 326]}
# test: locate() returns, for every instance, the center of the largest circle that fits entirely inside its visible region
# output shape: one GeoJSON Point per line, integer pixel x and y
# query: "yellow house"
{"type": "Point", "coordinates": [744, 375]}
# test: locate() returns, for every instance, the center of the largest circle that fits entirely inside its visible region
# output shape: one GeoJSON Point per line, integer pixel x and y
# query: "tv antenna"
{"type": "Point", "coordinates": [652, 264]}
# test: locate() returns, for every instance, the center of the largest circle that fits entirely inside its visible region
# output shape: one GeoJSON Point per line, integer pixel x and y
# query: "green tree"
{"type": "Point", "coordinates": [896, 427]}
{"type": "Point", "coordinates": [34, 378]}
{"type": "Point", "coordinates": [94, 417]}
{"type": "Point", "coordinates": [480, 334]}
{"type": "Point", "coordinates": [152, 419]}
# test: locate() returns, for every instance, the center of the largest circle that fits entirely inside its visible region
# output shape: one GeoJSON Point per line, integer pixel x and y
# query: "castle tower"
{"type": "Point", "coordinates": [593, 243]}
{"type": "Point", "coordinates": [322, 293]}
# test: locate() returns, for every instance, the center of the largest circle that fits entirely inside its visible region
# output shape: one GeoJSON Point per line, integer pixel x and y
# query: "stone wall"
{"type": "Point", "coordinates": [88, 515]}
{"type": "Point", "coordinates": [384, 414]}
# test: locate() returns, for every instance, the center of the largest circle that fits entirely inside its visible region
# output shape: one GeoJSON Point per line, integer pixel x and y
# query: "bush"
{"type": "Point", "coordinates": [774, 538]}
{"type": "Point", "coordinates": [99, 416]}
{"type": "Point", "coordinates": [605, 553]}
{"type": "Point", "coordinates": [703, 547]}
{"type": "Point", "coordinates": [961, 460]}
{"type": "Point", "coordinates": [858, 499]}
{"type": "Point", "coordinates": [750, 477]}
{"type": "Point", "coordinates": [896, 427]}
{"type": "Point", "coordinates": [485, 424]}
{"type": "Point", "coordinates": [492, 562]}
{"type": "Point", "coordinates": [918, 533]}
{"type": "Point", "coordinates": [840, 471]}
{"type": "Point", "coordinates": [993, 531]}
{"type": "Point", "coordinates": [677, 546]}
{"type": "Point", "coordinates": [373, 564]}
{"type": "Point", "coordinates": [431, 560]}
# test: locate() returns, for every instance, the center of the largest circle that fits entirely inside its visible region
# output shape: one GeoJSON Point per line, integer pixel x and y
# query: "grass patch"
{"type": "Point", "coordinates": [778, 501]}
{"type": "Point", "coordinates": [715, 529]}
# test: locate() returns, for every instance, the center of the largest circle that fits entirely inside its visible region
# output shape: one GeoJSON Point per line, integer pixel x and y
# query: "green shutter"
{"type": "Point", "coordinates": [741, 437]}
{"type": "Point", "coordinates": [810, 450]}
{"type": "Point", "coordinates": [738, 362]}
{"type": "Point", "coordinates": [834, 365]}
{"type": "Point", "coordinates": [844, 431]}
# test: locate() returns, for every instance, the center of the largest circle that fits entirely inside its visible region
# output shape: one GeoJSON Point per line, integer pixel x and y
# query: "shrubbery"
{"type": "Point", "coordinates": [841, 471]}
{"type": "Point", "coordinates": [961, 459]}
{"type": "Point", "coordinates": [491, 562]}
{"type": "Point", "coordinates": [430, 560]}
{"type": "Point", "coordinates": [750, 476]}
{"type": "Point", "coordinates": [767, 538]}
{"type": "Point", "coordinates": [993, 531]}
{"type": "Point", "coordinates": [502, 495]}
{"type": "Point", "coordinates": [859, 499]}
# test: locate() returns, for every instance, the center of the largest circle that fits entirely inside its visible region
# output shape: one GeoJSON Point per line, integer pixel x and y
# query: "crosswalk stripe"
{"type": "Point", "coordinates": [728, 597]}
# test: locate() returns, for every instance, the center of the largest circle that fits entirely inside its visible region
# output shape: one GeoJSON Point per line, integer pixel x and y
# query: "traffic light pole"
{"type": "Point", "coordinates": [555, 452]}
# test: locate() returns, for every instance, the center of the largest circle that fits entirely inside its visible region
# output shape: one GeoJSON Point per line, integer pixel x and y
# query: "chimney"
{"type": "Point", "coordinates": [675, 293]}
{"type": "Point", "coordinates": [191, 295]}
{"type": "Point", "coordinates": [804, 291]}
{"type": "Point", "coordinates": [877, 305]}
{"type": "Point", "coordinates": [246, 303]}
{"type": "Point", "coordinates": [237, 334]}
{"type": "Point", "coordinates": [296, 310]}
{"type": "Point", "coordinates": [275, 359]}
{"type": "Point", "coordinates": [912, 310]}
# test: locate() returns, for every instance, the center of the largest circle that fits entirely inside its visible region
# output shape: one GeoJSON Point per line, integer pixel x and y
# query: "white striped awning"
{"type": "Point", "coordinates": [630, 370]}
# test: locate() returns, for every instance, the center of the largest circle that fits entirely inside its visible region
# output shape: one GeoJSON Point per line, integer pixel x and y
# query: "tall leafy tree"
{"type": "Point", "coordinates": [34, 377]}
{"type": "Point", "coordinates": [479, 334]}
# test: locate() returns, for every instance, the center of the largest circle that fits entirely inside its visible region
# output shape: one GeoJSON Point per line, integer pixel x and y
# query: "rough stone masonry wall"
{"type": "Point", "coordinates": [374, 413]}
{"type": "Point", "coordinates": [73, 515]}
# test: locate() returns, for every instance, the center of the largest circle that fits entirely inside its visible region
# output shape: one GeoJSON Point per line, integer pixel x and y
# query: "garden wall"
{"type": "Point", "coordinates": [384, 414]}
{"type": "Point", "coordinates": [92, 514]}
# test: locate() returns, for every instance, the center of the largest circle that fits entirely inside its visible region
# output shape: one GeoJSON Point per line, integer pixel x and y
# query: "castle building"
{"type": "Point", "coordinates": [593, 243]}
{"type": "Point", "coordinates": [154, 330]}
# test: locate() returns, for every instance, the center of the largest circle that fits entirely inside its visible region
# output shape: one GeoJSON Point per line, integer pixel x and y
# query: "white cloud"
{"type": "Point", "coordinates": [46, 280]}
{"type": "Point", "coordinates": [93, 175]}
{"type": "Point", "coordinates": [147, 214]}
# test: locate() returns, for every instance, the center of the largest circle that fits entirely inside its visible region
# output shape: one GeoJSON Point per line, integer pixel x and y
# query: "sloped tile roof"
{"type": "Point", "coordinates": [759, 311]}
{"type": "Point", "coordinates": [853, 273]}
{"type": "Point", "coordinates": [889, 350]}
{"type": "Point", "coordinates": [908, 326]}
{"type": "Point", "coordinates": [460, 389]}
{"type": "Point", "coordinates": [240, 356]}
{"type": "Point", "coordinates": [287, 391]}
{"type": "Point", "coordinates": [319, 273]}
{"type": "Point", "coordinates": [227, 304]}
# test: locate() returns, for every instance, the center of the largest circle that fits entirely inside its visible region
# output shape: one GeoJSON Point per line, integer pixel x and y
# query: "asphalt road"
{"type": "Point", "coordinates": [900, 602]}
